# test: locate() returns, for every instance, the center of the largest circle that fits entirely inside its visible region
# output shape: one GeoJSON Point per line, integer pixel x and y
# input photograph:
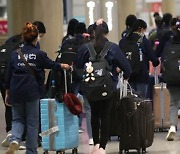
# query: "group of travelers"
{"type": "Point", "coordinates": [22, 91]}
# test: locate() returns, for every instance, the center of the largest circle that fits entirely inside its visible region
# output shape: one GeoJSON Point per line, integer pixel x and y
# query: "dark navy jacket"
{"type": "Point", "coordinates": [148, 55]}
{"type": "Point", "coordinates": [115, 58]}
{"type": "Point", "coordinates": [22, 84]}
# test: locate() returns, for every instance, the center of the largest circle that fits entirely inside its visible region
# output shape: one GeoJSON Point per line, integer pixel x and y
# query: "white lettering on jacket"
{"type": "Point", "coordinates": [28, 56]}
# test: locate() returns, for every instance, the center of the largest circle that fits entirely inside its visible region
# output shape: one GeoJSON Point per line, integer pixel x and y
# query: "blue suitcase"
{"type": "Point", "coordinates": [59, 127]}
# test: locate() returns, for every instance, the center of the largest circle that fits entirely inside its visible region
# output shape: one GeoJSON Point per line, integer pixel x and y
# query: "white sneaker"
{"type": "Point", "coordinates": [91, 142]}
{"type": "Point", "coordinates": [81, 130]}
{"type": "Point", "coordinates": [95, 148]}
{"type": "Point", "coordinates": [14, 145]}
{"type": "Point", "coordinates": [5, 142]}
{"type": "Point", "coordinates": [22, 146]}
{"type": "Point", "coordinates": [171, 133]}
{"type": "Point", "coordinates": [101, 151]}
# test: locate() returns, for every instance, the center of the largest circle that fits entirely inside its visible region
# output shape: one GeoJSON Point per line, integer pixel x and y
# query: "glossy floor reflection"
{"type": "Point", "coordinates": [160, 145]}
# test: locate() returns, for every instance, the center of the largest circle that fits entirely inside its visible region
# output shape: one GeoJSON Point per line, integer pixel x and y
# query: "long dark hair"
{"type": "Point", "coordinates": [166, 20]}
{"type": "Point", "coordinates": [137, 26]}
{"type": "Point", "coordinates": [100, 31]}
{"type": "Point", "coordinates": [71, 26]}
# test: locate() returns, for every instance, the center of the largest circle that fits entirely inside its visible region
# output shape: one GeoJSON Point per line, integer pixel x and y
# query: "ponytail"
{"type": "Point", "coordinates": [137, 26]}
{"type": "Point", "coordinates": [100, 31]}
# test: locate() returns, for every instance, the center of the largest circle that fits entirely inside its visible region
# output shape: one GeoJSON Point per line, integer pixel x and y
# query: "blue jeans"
{"type": "Point", "coordinates": [26, 114]}
{"type": "Point", "coordinates": [174, 104]}
{"type": "Point", "coordinates": [87, 109]}
{"type": "Point", "coordinates": [140, 88]}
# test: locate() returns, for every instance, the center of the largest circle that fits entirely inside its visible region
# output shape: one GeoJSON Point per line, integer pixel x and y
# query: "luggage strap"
{"type": "Point", "coordinates": [49, 131]}
{"type": "Point", "coordinates": [103, 53]}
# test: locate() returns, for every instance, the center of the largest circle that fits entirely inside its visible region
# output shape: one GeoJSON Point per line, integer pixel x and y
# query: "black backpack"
{"type": "Point", "coordinates": [5, 54]}
{"type": "Point", "coordinates": [171, 64]}
{"type": "Point", "coordinates": [97, 85]}
{"type": "Point", "coordinates": [69, 48]}
{"type": "Point", "coordinates": [133, 52]}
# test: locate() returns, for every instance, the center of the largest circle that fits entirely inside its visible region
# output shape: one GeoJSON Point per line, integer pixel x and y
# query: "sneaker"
{"type": "Point", "coordinates": [5, 143]}
{"type": "Point", "coordinates": [14, 145]}
{"type": "Point", "coordinates": [101, 151]}
{"type": "Point", "coordinates": [91, 142]}
{"type": "Point", "coordinates": [171, 134]}
{"type": "Point", "coordinates": [22, 146]}
{"type": "Point", "coordinates": [81, 130]}
{"type": "Point", "coordinates": [95, 148]}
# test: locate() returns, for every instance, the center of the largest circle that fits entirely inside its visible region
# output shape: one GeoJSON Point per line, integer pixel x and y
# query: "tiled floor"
{"type": "Point", "coordinates": [160, 145]}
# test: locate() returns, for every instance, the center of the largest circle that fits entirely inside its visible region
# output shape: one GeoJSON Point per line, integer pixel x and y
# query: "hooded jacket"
{"type": "Point", "coordinates": [148, 55]}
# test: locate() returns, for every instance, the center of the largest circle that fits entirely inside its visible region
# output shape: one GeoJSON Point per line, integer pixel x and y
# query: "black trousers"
{"type": "Point", "coordinates": [100, 121]}
{"type": "Point", "coordinates": [8, 110]}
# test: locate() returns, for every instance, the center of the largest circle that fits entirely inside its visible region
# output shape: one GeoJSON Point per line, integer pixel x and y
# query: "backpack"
{"type": "Point", "coordinates": [171, 64]}
{"type": "Point", "coordinates": [97, 83]}
{"type": "Point", "coordinates": [153, 38]}
{"type": "Point", "coordinates": [5, 54]}
{"type": "Point", "coordinates": [69, 48]}
{"type": "Point", "coordinates": [158, 37]}
{"type": "Point", "coordinates": [133, 52]}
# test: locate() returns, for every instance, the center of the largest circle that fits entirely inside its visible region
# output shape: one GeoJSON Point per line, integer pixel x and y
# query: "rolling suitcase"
{"type": "Point", "coordinates": [115, 123]}
{"type": "Point", "coordinates": [137, 124]}
{"type": "Point", "coordinates": [59, 126]}
{"type": "Point", "coordinates": [161, 107]}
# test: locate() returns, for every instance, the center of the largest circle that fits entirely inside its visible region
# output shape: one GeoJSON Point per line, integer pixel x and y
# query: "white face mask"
{"type": "Point", "coordinates": [39, 38]}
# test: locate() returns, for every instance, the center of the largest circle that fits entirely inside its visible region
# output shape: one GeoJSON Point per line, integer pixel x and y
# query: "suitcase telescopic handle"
{"type": "Point", "coordinates": [65, 81]}
{"type": "Point", "coordinates": [124, 84]}
{"type": "Point", "coordinates": [156, 80]}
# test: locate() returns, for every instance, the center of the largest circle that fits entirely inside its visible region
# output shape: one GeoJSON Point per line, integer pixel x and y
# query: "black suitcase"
{"type": "Point", "coordinates": [115, 123]}
{"type": "Point", "coordinates": [137, 124]}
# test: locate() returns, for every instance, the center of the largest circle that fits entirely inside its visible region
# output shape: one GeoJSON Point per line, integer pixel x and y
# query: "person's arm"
{"type": "Point", "coordinates": [47, 63]}
{"type": "Point", "coordinates": [7, 102]}
{"type": "Point", "coordinates": [122, 63]}
{"type": "Point", "coordinates": [7, 82]}
{"type": "Point", "coordinates": [82, 57]}
{"type": "Point", "coordinates": [149, 53]}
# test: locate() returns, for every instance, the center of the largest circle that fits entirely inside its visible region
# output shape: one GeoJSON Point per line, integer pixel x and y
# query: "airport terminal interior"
{"type": "Point", "coordinates": [55, 14]}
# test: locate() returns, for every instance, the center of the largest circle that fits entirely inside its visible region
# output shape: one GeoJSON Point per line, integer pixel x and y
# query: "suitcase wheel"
{"type": "Point", "coordinates": [75, 151]}
{"type": "Point", "coordinates": [126, 151]}
{"type": "Point", "coordinates": [60, 152]}
{"type": "Point", "coordinates": [143, 150]}
{"type": "Point", "coordinates": [121, 152]}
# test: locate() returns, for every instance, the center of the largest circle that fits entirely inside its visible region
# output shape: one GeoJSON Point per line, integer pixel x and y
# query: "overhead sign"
{"type": "Point", "coordinates": [3, 27]}
{"type": "Point", "coordinates": [156, 7]}
{"type": "Point", "coordinates": [153, 1]}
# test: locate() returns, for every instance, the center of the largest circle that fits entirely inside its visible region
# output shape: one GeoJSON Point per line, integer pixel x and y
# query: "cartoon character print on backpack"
{"type": "Point", "coordinates": [89, 72]}
{"type": "Point", "coordinates": [97, 83]}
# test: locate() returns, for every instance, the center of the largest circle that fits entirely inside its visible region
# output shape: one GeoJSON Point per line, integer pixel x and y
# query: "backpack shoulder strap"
{"type": "Point", "coordinates": [92, 51]}
{"type": "Point", "coordinates": [105, 49]}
